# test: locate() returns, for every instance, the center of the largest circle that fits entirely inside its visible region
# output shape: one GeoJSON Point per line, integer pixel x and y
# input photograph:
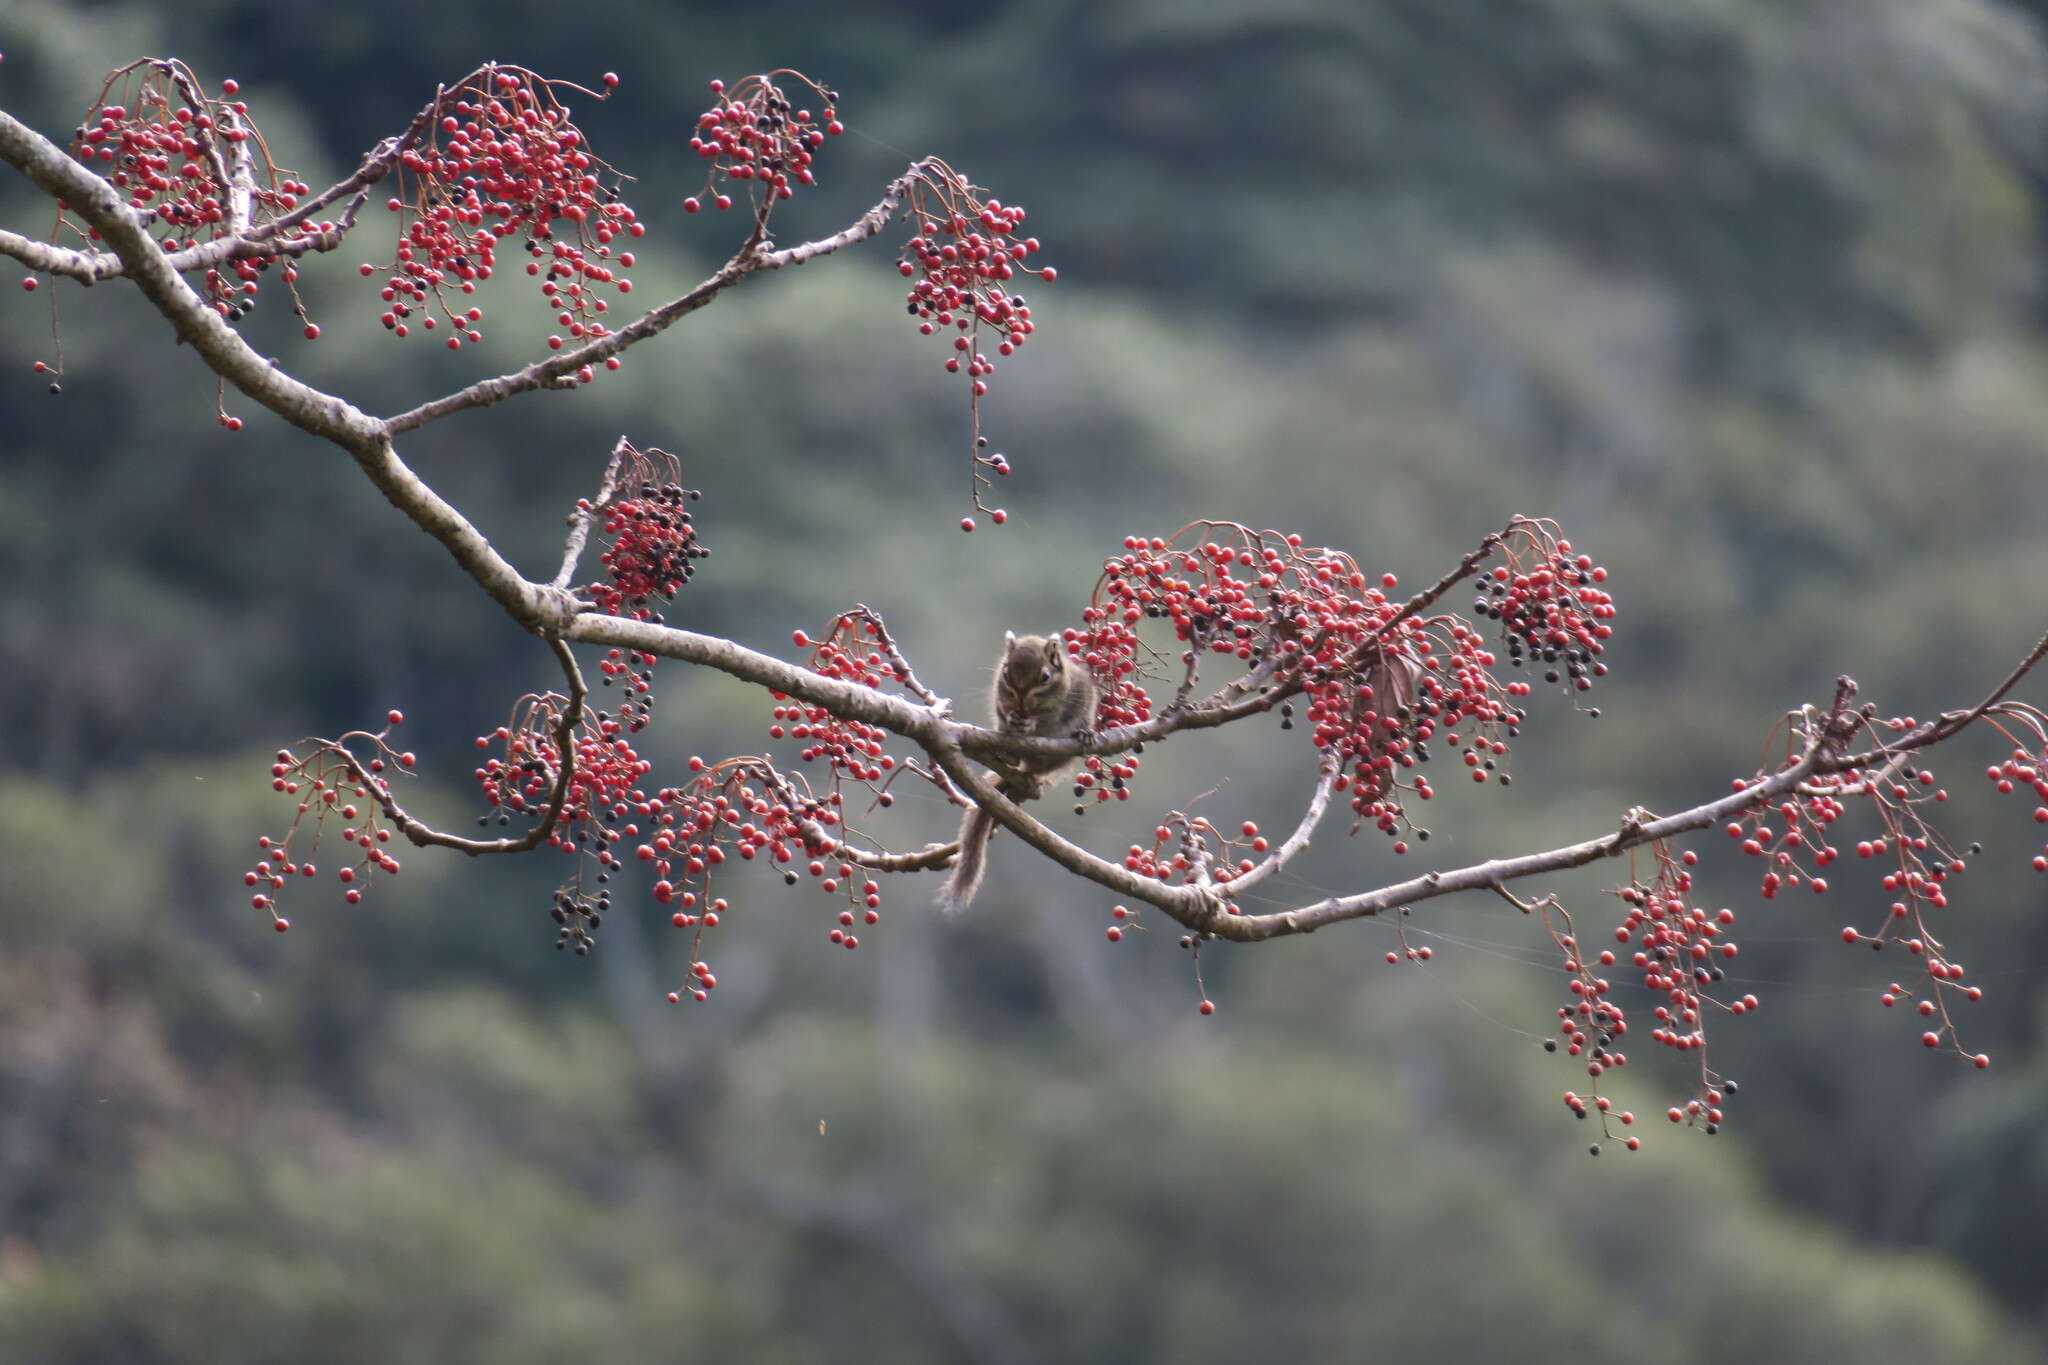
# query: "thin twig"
{"type": "Point", "coordinates": [581, 519]}
{"type": "Point", "coordinates": [568, 716]}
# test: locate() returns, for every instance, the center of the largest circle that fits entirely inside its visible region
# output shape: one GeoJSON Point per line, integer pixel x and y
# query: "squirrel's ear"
{"type": "Point", "coordinates": [1009, 641]}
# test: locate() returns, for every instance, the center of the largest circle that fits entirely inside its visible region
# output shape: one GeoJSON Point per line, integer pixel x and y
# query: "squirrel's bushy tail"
{"type": "Point", "coordinates": [975, 831]}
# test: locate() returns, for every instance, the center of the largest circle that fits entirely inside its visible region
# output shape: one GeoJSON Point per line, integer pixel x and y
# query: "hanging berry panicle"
{"type": "Point", "coordinates": [1679, 948]}
{"type": "Point", "coordinates": [341, 780]}
{"type": "Point", "coordinates": [504, 161]}
{"type": "Point", "coordinates": [1921, 869]}
{"type": "Point", "coordinates": [963, 261]}
{"type": "Point", "coordinates": [747, 806]}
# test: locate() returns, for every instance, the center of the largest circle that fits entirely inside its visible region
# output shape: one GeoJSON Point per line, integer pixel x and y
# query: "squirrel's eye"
{"type": "Point", "coordinates": [1047, 675]}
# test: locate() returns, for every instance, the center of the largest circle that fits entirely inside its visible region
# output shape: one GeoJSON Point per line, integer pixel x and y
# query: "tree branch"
{"type": "Point", "coordinates": [862, 228]}
{"type": "Point", "coordinates": [199, 326]}
{"type": "Point", "coordinates": [956, 749]}
{"type": "Point", "coordinates": [1319, 801]}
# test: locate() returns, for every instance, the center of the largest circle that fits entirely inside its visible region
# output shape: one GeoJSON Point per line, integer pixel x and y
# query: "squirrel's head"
{"type": "Point", "coordinates": [1033, 677]}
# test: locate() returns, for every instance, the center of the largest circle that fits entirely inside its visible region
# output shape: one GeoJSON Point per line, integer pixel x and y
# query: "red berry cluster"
{"type": "Point", "coordinates": [654, 547]}
{"type": "Point", "coordinates": [653, 554]}
{"type": "Point", "coordinates": [1796, 850]}
{"type": "Point", "coordinates": [962, 261]}
{"type": "Point", "coordinates": [1381, 678]}
{"type": "Point", "coordinates": [1792, 837]}
{"type": "Point", "coordinates": [330, 782]}
{"type": "Point", "coordinates": [182, 157]}
{"type": "Point", "coordinates": [1189, 848]}
{"type": "Point", "coordinates": [512, 164]}
{"type": "Point", "coordinates": [963, 258]}
{"type": "Point", "coordinates": [522, 780]}
{"type": "Point", "coordinates": [1676, 941]}
{"type": "Point", "coordinates": [856, 648]}
{"type": "Point", "coordinates": [746, 805]}
{"type": "Point", "coordinates": [741, 807]}
{"type": "Point", "coordinates": [2022, 769]}
{"type": "Point", "coordinates": [756, 134]}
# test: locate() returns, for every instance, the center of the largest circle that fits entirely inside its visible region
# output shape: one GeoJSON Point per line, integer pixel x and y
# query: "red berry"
{"type": "Point", "coordinates": [1208, 1007]}
{"type": "Point", "coordinates": [282, 925]}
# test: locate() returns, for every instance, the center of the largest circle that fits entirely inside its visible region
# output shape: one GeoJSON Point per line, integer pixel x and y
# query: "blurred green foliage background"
{"type": "Point", "coordinates": [1748, 293]}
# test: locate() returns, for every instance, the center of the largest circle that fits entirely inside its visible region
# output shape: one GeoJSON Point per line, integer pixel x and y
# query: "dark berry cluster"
{"type": "Point", "coordinates": [757, 134]}
{"type": "Point", "coordinates": [505, 161]}
{"type": "Point", "coordinates": [1552, 615]}
{"type": "Point", "coordinates": [525, 779]}
{"type": "Point", "coordinates": [652, 555]}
